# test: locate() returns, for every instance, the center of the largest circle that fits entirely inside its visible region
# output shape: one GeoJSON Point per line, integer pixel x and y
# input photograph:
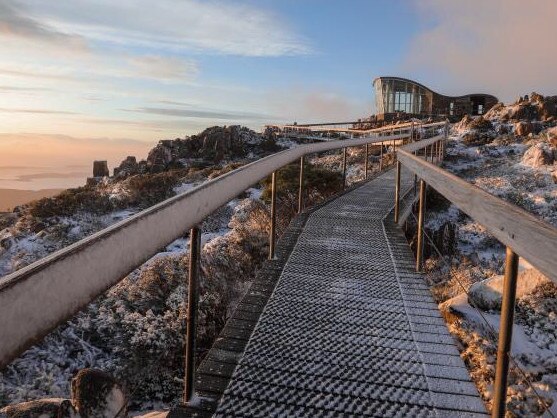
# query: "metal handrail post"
{"type": "Point", "coordinates": [366, 161]}
{"type": "Point", "coordinates": [421, 213]}
{"type": "Point", "coordinates": [191, 320]}
{"type": "Point", "coordinates": [397, 190]}
{"type": "Point", "coordinates": [272, 231]}
{"type": "Point", "coordinates": [301, 187]}
{"type": "Point", "coordinates": [344, 158]}
{"type": "Point", "coordinates": [505, 334]}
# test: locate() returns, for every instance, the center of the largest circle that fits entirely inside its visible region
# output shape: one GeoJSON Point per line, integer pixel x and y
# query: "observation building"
{"type": "Point", "coordinates": [397, 97]}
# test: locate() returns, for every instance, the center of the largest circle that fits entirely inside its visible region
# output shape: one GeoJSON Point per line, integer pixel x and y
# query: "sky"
{"type": "Point", "coordinates": [101, 79]}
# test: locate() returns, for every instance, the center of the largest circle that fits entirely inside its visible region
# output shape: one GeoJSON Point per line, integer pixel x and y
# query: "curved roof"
{"type": "Point", "coordinates": [406, 80]}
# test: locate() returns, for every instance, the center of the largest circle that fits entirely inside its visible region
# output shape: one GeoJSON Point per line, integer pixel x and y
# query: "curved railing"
{"type": "Point", "coordinates": [522, 233]}
{"type": "Point", "coordinates": [39, 297]}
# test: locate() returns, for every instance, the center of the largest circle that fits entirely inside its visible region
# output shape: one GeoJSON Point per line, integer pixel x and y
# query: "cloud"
{"type": "Point", "coordinates": [502, 46]}
{"type": "Point", "coordinates": [23, 89]}
{"type": "Point", "coordinates": [42, 150]}
{"type": "Point", "coordinates": [203, 114]}
{"type": "Point", "coordinates": [176, 25]}
{"type": "Point", "coordinates": [302, 105]}
{"type": "Point", "coordinates": [14, 22]}
{"type": "Point", "coordinates": [37, 111]}
{"type": "Point", "coordinates": [168, 68]}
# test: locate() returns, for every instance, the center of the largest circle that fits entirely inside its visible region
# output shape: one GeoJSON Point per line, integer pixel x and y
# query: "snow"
{"type": "Point", "coordinates": [496, 167]}
{"type": "Point", "coordinates": [184, 187]}
{"type": "Point", "coordinates": [287, 143]}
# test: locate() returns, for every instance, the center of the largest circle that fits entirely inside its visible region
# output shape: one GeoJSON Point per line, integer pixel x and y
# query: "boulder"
{"type": "Point", "coordinates": [159, 157]}
{"type": "Point", "coordinates": [481, 124]}
{"type": "Point", "coordinates": [474, 139]}
{"type": "Point", "coordinates": [552, 136]}
{"type": "Point", "coordinates": [464, 123]}
{"type": "Point", "coordinates": [96, 394]}
{"type": "Point", "coordinates": [538, 155]}
{"type": "Point", "coordinates": [127, 167]}
{"type": "Point", "coordinates": [523, 128]}
{"type": "Point", "coordinates": [42, 408]}
{"type": "Point", "coordinates": [100, 169]}
{"type": "Point", "coordinates": [487, 294]}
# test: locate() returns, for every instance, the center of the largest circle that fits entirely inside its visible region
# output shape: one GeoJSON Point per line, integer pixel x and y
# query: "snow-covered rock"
{"type": "Point", "coordinates": [41, 408]}
{"type": "Point", "coordinates": [523, 128]}
{"type": "Point", "coordinates": [539, 155]}
{"type": "Point", "coordinates": [487, 294]}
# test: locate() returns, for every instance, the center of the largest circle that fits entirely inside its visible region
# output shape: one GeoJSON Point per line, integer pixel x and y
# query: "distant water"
{"type": "Point", "coordinates": [38, 178]}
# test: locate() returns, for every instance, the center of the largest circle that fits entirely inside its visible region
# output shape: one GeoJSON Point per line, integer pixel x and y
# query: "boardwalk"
{"type": "Point", "coordinates": [350, 329]}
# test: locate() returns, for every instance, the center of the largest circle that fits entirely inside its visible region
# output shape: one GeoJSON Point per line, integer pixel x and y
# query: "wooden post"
{"type": "Point", "coordinates": [272, 233]}
{"type": "Point", "coordinates": [421, 213]}
{"type": "Point", "coordinates": [301, 186]}
{"type": "Point", "coordinates": [397, 190]}
{"type": "Point", "coordinates": [381, 157]}
{"type": "Point", "coordinates": [505, 334]}
{"type": "Point", "coordinates": [191, 320]}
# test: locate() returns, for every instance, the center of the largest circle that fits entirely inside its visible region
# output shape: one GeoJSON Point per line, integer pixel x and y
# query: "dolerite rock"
{"type": "Point", "coordinates": [464, 123]}
{"type": "Point", "coordinates": [539, 155]}
{"type": "Point", "coordinates": [96, 394]}
{"type": "Point", "coordinates": [160, 157]}
{"type": "Point", "coordinates": [128, 167]}
{"type": "Point", "coordinates": [42, 408]}
{"type": "Point", "coordinates": [487, 294]}
{"type": "Point", "coordinates": [523, 128]}
{"type": "Point", "coordinates": [481, 124]}
{"type": "Point", "coordinates": [100, 169]}
{"type": "Point", "coordinates": [213, 145]}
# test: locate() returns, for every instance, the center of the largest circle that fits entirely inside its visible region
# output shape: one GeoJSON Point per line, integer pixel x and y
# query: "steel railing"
{"type": "Point", "coordinates": [522, 233]}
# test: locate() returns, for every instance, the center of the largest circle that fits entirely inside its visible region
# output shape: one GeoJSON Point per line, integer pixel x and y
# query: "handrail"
{"type": "Point", "coordinates": [522, 233]}
{"type": "Point", "coordinates": [360, 131]}
{"type": "Point", "coordinates": [37, 298]}
{"type": "Point", "coordinates": [528, 236]}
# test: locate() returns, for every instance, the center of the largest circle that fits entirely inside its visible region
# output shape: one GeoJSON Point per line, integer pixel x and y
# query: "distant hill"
{"type": "Point", "coordinates": [10, 198]}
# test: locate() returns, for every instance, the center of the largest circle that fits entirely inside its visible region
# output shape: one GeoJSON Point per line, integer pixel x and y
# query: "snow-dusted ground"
{"type": "Point", "coordinates": [497, 167]}
{"type": "Point", "coordinates": [138, 323]}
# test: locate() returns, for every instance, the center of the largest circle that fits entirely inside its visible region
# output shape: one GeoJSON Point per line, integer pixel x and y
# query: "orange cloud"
{"type": "Point", "coordinates": [315, 106]}
{"type": "Point", "coordinates": [502, 46]}
{"type": "Point", "coordinates": [39, 150]}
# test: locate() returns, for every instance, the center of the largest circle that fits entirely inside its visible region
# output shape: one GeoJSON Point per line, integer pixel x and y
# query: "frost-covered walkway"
{"type": "Point", "coordinates": [351, 329]}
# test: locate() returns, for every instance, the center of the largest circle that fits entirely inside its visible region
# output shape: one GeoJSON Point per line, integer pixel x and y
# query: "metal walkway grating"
{"type": "Point", "coordinates": [350, 329]}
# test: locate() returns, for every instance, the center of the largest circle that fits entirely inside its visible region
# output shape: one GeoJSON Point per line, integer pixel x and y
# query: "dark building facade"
{"type": "Point", "coordinates": [395, 96]}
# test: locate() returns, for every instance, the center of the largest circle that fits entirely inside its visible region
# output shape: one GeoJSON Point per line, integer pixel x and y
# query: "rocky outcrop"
{"type": "Point", "coordinates": [212, 145]}
{"type": "Point", "coordinates": [127, 167]}
{"type": "Point", "coordinates": [209, 147]}
{"type": "Point", "coordinates": [527, 108]}
{"type": "Point", "coordinates": [475, 131]}
{"type": "Point", "coordinates": [100, 169]}
{"type": "Point", "coordinates": [523, 128]}
{"type": "Point", "coordinates": [539, 155]}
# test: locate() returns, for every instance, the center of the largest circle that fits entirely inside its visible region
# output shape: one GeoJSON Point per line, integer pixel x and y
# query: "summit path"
{"type": "Point", "coordinates": [350, 328]}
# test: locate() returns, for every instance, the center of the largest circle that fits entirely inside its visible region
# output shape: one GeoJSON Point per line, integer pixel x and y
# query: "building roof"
{"type": "Point", "coordinates": [406, 80]}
